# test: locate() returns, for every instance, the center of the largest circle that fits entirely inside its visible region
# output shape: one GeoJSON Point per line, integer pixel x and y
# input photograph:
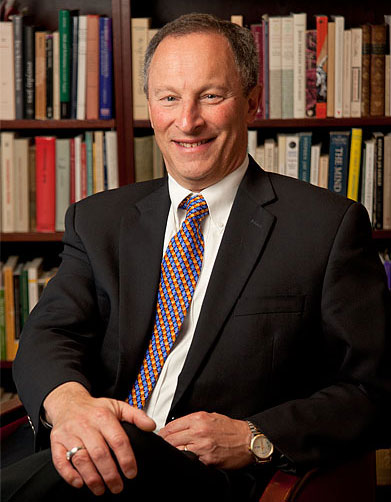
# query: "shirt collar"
{"type": "Point", "coordinates": [219, 196]}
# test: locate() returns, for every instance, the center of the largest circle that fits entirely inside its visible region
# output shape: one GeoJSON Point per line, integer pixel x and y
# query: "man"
{"type": "Point", "coordinates": [279, 355]}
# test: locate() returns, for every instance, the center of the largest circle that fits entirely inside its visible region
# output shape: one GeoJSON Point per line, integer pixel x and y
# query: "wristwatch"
{"type": "Point", "coordinates": [261, 448]}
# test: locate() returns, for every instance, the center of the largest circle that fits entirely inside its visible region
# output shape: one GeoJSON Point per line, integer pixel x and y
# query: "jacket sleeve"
{"type": "Point", "coordinates": [352, 411]}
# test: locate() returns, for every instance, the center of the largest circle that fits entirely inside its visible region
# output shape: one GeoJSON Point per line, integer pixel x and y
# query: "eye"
{"type": "Point", "coordinates": [212, 98]}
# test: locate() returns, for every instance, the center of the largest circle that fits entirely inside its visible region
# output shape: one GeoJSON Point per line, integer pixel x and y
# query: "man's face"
{"type": "Point", "coordinates": [197, 108]}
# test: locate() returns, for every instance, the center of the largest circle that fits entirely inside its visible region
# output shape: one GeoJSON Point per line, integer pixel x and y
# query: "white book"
{"type": "Point", "coordinates": [323, 180]}
{"type": "Point", "coordinates": [21, 184]}
{"type": "Point", "coordinates": [34, 269]}
{"type": "Point", "coordinates": [260, 156]}
{"type": "Point", "coordinates": [237, 19]}
{"type": "Point", "coordinates": [7, 71]}
{"type": "Point", "coordinates": [112, 159]}
{"type": "Point", "coordinates": [78, 173]}
{"type": "Point", "coordinates": [99, 176]}
{"type": "Point", "coordinates": [270, 149]}
{"type": "Point", "coordinates": [355, 108]}
{"type": "Point", "coordinates": [338, 68]}
{"type": "Point", "coordinates": [82, 69]}
{"type": "Point", "coordinates": [369, 170]}
{"type": "Point", "coordinates": [299, 71]}
{"type": "Point", "coordinates": [347, 73]}
{"type": "Point", "coordinates": [315, 158]}
{"type": "Point", "coordinates": [275, 67]}
{"type": "Point", "coordinates": [281, 153]}
{"type": "Point", "coordinates": [158, 162]}
{"type": "Point", "coordinates": [292, 156]}
{"type": "Point", "coordinates": [56, 76]}
{"type": "Point", "coordinates": [140, 27]}
{"type": "Point", "coordinates": [287, 67]}
{"type": "Point", "coordinates": [63, 181]}
{"type": "Point", "coordinates": [7, 181]}
{"type": "Point", "coordinates": [251, 142]}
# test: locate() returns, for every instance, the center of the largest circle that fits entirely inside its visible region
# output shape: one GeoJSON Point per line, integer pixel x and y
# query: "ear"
{"type": "Point", "coordinates": [253, 102]}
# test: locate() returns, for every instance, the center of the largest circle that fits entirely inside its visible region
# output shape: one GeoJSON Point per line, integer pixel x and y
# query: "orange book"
{"type": "Point", "coordinates": [9, 307]}
{"type": "Point", "coordinates": [40, 75]}
{"type": "Point", "coordinates": [92, 85]}
{"type": "Point", "coordinates": [45, 183]}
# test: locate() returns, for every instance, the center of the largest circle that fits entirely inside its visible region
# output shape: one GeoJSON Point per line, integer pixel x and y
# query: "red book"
{"type": "Point", "coordinates": [83, 157]}
{"type": "Point", "coordinates": [72, 195]}
{"type": "Point", "coordinates": [321, 66]}
{"type": "Point", "coordinates": [45, 175]}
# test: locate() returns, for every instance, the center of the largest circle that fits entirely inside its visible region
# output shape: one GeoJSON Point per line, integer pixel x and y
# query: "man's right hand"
{"type": "Point", "coordinates": [94, 424]}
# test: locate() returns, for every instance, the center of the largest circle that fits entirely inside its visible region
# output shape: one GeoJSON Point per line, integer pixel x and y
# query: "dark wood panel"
{"type": "Point", "coordinates": [57, 124]}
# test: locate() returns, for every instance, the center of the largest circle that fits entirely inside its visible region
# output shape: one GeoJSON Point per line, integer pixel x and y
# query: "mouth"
{"type": "Point", "coordinates": [193, 144]}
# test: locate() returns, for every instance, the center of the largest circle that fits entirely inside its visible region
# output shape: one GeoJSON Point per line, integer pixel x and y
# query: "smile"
{"type": "Point", "coordinates": [193, 145]}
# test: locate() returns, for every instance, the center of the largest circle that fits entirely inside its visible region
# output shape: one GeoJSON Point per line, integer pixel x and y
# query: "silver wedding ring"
{"type": "Point", "coordinates": [73, 451]}
{"type": "Point", "coordinates": [185, 448]}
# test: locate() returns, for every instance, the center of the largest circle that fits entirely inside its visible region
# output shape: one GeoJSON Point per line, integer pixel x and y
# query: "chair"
{"type": "Point", "coordinates": [354, 481]}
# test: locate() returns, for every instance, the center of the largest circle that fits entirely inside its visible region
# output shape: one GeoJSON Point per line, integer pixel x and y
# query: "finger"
{"type": "Point", "coordinates": [137, 417]}
{"type": "Point", "coordinates": [64, 467]}
{"type": "Point", "coordinates": [178, 425]}
{"type": "Point", "coordinates": [84, 465]}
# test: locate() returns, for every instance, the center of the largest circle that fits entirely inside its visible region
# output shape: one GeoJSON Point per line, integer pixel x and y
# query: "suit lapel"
{"type": "Point", "coordinates": [139, 273]}
{"type": "Point", "coordinates": [245, 236]}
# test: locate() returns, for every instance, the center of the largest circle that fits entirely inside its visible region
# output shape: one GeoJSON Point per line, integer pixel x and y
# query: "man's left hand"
{"type": "Point", "coordinates": [216, 439]}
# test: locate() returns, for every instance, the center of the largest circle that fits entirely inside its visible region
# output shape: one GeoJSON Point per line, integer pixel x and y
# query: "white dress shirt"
{"type": "Point", "coordinates": [219, 198]}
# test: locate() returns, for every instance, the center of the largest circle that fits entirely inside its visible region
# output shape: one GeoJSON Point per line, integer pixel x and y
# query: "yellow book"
{"type": "Point", "coordinates": [10, 333]}
{"type": "Point", "coordinates": [354, 163]}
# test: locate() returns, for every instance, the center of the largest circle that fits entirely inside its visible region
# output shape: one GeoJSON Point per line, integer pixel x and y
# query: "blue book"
{"type": "Point", "coordinates": [339, 161]}
{"type": "Point", "coordinates": [105, 68]}
{"type": "Point", "coordinates": [90, 175]}
{"type": "Point", "coordinates": [305, 143]}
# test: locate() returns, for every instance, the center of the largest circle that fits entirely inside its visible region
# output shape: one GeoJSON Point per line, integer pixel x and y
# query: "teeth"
{"type": "Point", "coordinates": [193, 145]}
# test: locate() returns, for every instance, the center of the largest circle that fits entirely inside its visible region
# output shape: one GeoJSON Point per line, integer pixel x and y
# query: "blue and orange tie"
{"type": "Point", "coordinates": [180, 270]}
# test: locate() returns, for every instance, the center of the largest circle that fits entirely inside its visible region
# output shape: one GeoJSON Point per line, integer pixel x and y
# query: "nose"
{"type": "Point", "coordinates": [189, 118]}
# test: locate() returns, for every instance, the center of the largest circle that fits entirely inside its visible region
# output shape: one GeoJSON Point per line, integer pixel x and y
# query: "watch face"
{"type": "Point", "coordinates": [261, 447]}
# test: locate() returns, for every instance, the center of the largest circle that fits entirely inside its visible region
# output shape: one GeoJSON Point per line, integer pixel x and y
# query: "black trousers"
{"type": "Point", "coordinates": [164, 473]}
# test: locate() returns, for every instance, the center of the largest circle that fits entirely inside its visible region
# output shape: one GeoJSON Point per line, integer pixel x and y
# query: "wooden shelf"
{"type": "Point", "coordinates": [57, 124]}
{"type": "Point", "coordinates": [31, 237]}
{"type": "Point", "coordinates": [381, 234]}
{"type": "Point", "coordinates": [305, 123]}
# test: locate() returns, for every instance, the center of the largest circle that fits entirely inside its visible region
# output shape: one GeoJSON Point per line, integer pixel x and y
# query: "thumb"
{"type": "Point", "coordinates": [137, 417]}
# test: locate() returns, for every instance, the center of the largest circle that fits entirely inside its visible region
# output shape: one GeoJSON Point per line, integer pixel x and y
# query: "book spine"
{"type": "Point", "coordinates": [275, 67]}
{"type": "Point", "coordinates": [338, 162]}
{"type": "Point", "coordinates": [40, 75]}
{"type": "Point", "coordinates": [292, 156]}
{"type": "Point", "coordinates": [83, 170]}
{"type": "Point", "coordinates": [347, 73]}
{"type": "Point", "coordinates": [29, 72]}
{"type": "Point", "coordinates": [112, 159]}
{"type": "Point", "coordinates": [310, 68]}
{"type": "Point", "coordinates": [24, 297]}
{"type": "Point", "coordinates": [89, 160]}
{"type": "Point", "coordinates": [3, 343]}
{"type": "Point", "coordinates": [16, 278]}
{"type": "Point", "coordinates": [32, 189]}
{"type": "Point", "coordinates": [287, 67]}
{"type": "Point", "coordinates": [49, 76]}
{"type": "Point", "coordinates": [299, 74]}
{"type": "Point", "coordinates": [105, 69]}
{"type": "Point", "coordinates": [366, 69]}
{"type": "Point", "coordinates": [56, 75]}
{"type": "Point", "coordinates": [7, 181]}
{"type": "Point", "coordinates": [378, 50]}
{"type": "Point", "coordinates": [305, 141]}
{"type": "Point", "coordinates": [98, 164]}
{"type": "Point", "coordinates": [369, 170]}
{"type": "Point", "coordinates": [7, 78]}
{"type": "Point", "coordinates": [64, 24]}
{"type": "Point", "coordinates": [356, 72]}
{"type": "Point", "coordinates": [266, 88]}
{"type": "Point", "coordinates": [257, 31]}
{"type": "Point", "coordinates": [338, 70]}
{"type": "Point", "coordinates": [78, 173]}
{"type": "Point", "coordinates": [379, 172]}
{"type": "Point", "coordinates": [140, 28]}
{"type": "Point", "coordinates": [314, 172]}
{"type": "Point", "coordinates": [75, 49]}
{"type": "Point", "coordinates": [387, 183]}
{"type": "Point", "coordinates": [354, 164]}
{"type": "Point", "coordinates": [9, 302]}
{"type": "Point", "coordinates": [72, 191]}
{"type": "Point", "coordinates": [321, 66]}
{"type": "Point", "coordinates": [323, 171]}
{"type": "Point", "coordinates": [18, 64]}
{"type": "Point", "coordinates": [387, 93]}
{"type": "Point", "coordinates": [330, 69]}
{"type": "Point", "coordinates": [45, 183]}
{"type": "Point", "coordinates": [82, 68]}
{"type": "Point", "coordinates": [92, 85]}
{"type": "Point", "coordinates": [21, 174]}
{"type": "Point", "coordinates": [62, 181]}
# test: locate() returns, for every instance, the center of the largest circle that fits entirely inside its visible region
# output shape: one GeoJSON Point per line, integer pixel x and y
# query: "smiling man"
{"type": "Point", "coordinates": [241, 315]}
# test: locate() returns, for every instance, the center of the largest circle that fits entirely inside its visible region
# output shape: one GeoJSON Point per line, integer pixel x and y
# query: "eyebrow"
{"type": "Point", "coordinates": [211, 87]}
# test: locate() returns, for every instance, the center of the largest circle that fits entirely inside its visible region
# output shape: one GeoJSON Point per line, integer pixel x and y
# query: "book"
{"type": "Point", "coordinates": [21, 188]}
{"type": "Point", "coordinates": [379, 179]}
{"type": "Point", "coordinates": [24, 296]}
{"type": "Point", "coordinates": [34, 270]}
{"type": "Point", "coordinates": [56, 75]}
{"type": "Point", "coordinates": [330, 69]}
{"type": "Point", "coordinates": [354, 163]}
{"type": "Point", "coordinates": [92, 78]}
{"type": "Point", "coordinates": [265, 89]}
{"type": "Point", "coordinates": [287, 67]}
{"type": "Point", "coordinates": [7, 78]}
{"type": "Point", "coordinates": [305, 142]}
{"type": "Point", "coordinates": [140, 27]}
{"type": "Point", "coordinates": [29, 71]}
{"type": "Point", "coordinates": [366, 69]}
{"type": "Point", "coordinates": [356, 61]}
{"type": "Point", "coordinates": [143, 158]}
{"type": "Point", "coordinates": [237, 19]}
{"type": "Point", "coordinates": [111, 159]}
{"type": "Point", "coordinates": [339, 161]}
{"type": "Point", "coordinates": [299, 74]}
{"type": "Point", "coordinates": [63, 179]}
{"type": "Point", "coordinates": [74, 61]}
{"type": "Point", "coordinates": [158, 162]}
{"type": "Point", "coordinates": [98, 162]}
{"type": "Point", "coordinates": [32, 189]}
{"type": "Point", "coordinates": [7, 181]}
{"type": "Point", "coordinates": [89, 162]}
{"type": "Point", "coordinates": [387, 183]}
{"type": "Point", "coordinates": [338, 66]}
{"type": "Point", "coordinates": [275, 67]}
{"type": "Point", "coordinates": [252, 139]}
{"type": "Point", "coordinates": [368, 176]}
{"type": "Point", "coordinates": [377, 75]}
{"type": "Point", "coordinates": [292, 155]}
{"type": "Point", "coordinates": [321, 66]}
{"type": "Point", "coordinates": [270, 163]}
{"type": "Point", "coordinates": [3, 343]}
{"type": "Point", "coordinates": [9, 306]}
{"type": "Point", "coordinates": [315, 159]}
{"type": "Point", "coordinates": [281, 153]}
{"type": "Point", "coordinates": [45, 183]}
{"type": "Point", "coordinates": [324, 171]}
{"type": "Point", "coordinates": [387, 93]}
{"type": "Point", "coordinates": [82, 69]}
{"type": "Point", "coordinates": [347, 73]}
{"type": "Point", "coordinates": [72, 154]}
{"type": "Point", "coordinates": [83, 170]}
{"type": "Point", "coordinates": [49, 76]}
{"type": "Point", "coordinates": [257, 31]}
{"type": "Point", "coordinates": [105, 68]}
{"type": "Point", "coordinates": [78, 174]}
{"type": "Point", "coordinates": [17, 299]}
{"type": "Point", "coordinates": [40, 75]}
{"type": "Point", "coordinates": [17, 21]}
{"type": "Point", "coordinates": [310, 68]}
{"type": "Point", "coordinates": [64, 26]}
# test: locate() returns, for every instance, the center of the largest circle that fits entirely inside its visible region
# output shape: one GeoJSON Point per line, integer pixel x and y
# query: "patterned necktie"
{"type": "Point", "coordinates": [180, 269]}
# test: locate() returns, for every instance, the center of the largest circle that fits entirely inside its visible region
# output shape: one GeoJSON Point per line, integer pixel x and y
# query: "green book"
{"type": "Point", "coordinates": [64, 26]}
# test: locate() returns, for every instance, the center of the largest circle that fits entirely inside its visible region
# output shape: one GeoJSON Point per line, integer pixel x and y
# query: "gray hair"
{"type": "Point", "coordinates": [240, 39]}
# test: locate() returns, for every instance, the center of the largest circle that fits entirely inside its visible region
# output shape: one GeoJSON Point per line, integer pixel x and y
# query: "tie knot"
{"type": "Point", "coordinates": [195, 206]}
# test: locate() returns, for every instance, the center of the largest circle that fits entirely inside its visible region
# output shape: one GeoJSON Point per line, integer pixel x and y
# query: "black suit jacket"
{"type": "Point", "coordinates": [294, 331]}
